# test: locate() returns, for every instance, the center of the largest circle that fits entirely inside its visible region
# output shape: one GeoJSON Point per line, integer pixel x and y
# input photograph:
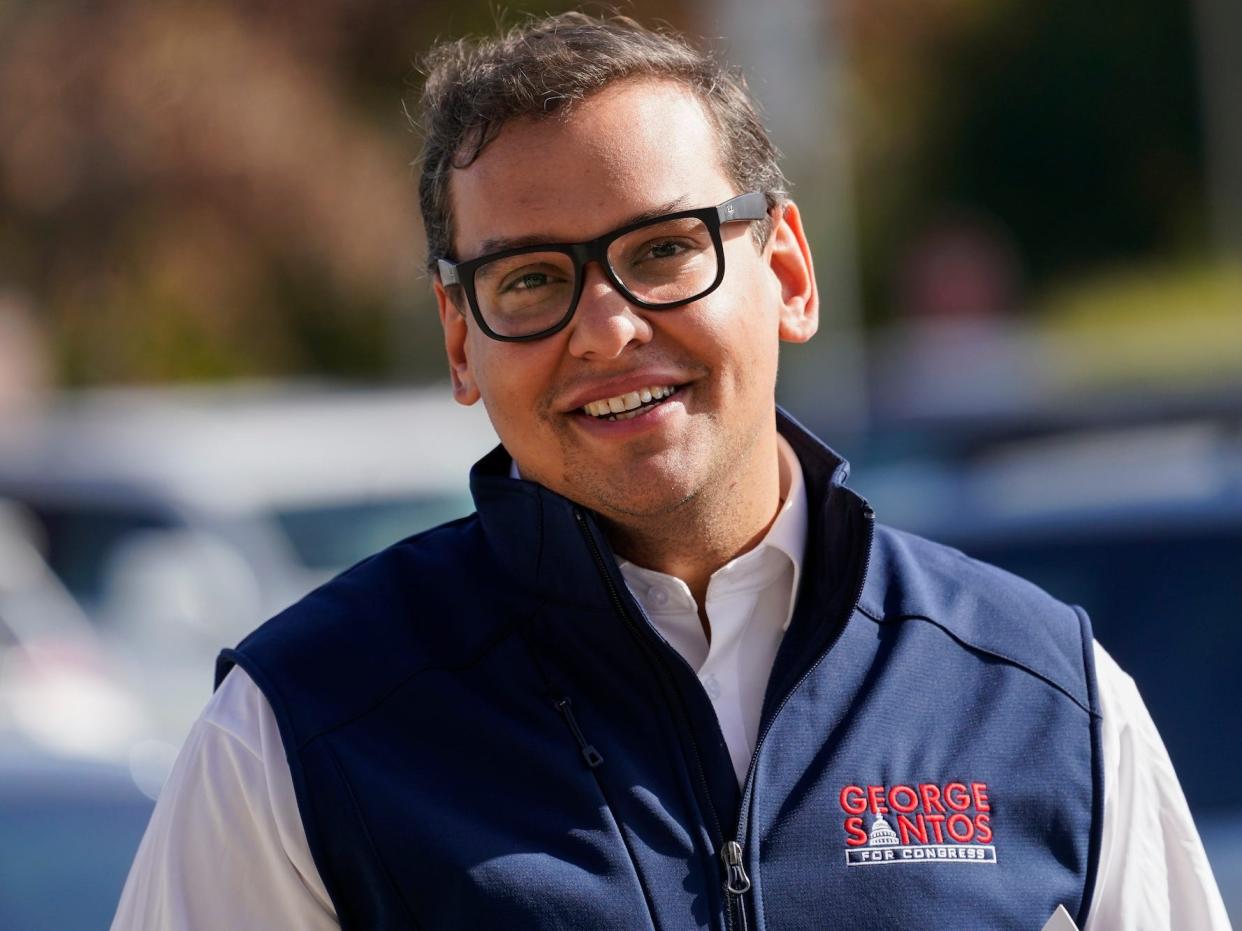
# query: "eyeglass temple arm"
{"type": "Point", "coordinates": [448, 272]}
{"type": "Point", "coordinates": [752, 206]}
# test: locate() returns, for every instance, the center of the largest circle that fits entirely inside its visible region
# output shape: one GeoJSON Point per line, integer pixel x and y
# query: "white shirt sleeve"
{"type": "Point", "coordinates": [225, 847]}
{"type": "Point", "coordinates": [1153, 872]}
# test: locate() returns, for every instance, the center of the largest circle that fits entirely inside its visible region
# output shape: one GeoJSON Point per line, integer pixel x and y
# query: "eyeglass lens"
{"type": "Point", "coordinates": [664, 262]}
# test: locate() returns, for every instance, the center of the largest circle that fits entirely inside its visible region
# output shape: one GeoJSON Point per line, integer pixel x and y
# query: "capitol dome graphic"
{"type": "Point", "coordinates": [881, 834]}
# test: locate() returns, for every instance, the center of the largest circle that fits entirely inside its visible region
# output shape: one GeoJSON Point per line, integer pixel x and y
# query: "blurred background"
{"type": "Point", "coordinates": [221, 377]}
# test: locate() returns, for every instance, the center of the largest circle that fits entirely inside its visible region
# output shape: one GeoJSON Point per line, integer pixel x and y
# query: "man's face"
{"type": "Point", "coordinates": [634, 148]}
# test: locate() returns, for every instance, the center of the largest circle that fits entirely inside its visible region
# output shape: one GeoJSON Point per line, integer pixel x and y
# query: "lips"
{"type": "Point", "coordinates": [627, 405]}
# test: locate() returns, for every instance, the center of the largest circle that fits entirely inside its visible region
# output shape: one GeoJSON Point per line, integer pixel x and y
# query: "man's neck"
{"type": "Point", "coordinates": [715, 526]}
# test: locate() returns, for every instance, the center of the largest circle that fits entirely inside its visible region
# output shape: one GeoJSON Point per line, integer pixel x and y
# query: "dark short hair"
{"type": "Point", "coordinates": [474, 86]}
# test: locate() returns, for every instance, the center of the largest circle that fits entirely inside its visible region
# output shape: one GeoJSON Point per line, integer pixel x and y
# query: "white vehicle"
{"type": "Point", "coordinates": [61, 690]}
{"type": "Point", "coordinates": [181, 518]}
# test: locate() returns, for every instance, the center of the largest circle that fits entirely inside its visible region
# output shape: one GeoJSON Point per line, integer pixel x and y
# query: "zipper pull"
{"type": "Point", "coordinates": [736, 880]}
{"type": "Point", "coordinates": [737, 883]}
{"type": "Point", "coordinates": [592, 756]}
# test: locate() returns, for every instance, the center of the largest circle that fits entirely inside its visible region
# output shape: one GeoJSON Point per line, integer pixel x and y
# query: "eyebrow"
{"type": "Point", "coordinates": [501, 243]}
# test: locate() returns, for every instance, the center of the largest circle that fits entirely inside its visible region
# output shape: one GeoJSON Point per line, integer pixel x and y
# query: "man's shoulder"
{"type": "Point", "coordinates": [431, 601]}
{"type": "Point", "coordinates": [923, 577]}
{"type": "Point", "coordinates": [982, 606]}
{"type": "Point", "coordinates": [395, 591]}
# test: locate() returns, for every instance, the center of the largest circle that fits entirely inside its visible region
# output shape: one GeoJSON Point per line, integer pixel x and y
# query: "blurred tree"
{"type": "Point", "coordinates": [1073, 126]}
{"type": "Point", "coordinates": [193, 189]}
{"type": "Point", "coordinates": [187, 194]}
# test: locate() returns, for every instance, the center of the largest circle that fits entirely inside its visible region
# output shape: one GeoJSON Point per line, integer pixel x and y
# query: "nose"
{"type": "Point", "coordinates": [605, 323]}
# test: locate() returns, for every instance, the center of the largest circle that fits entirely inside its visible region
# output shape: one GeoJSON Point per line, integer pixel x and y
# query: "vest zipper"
{"type": "Point", "coordinates": [592, 756]}
{"type": "Point", "coordinates": [737, 883]}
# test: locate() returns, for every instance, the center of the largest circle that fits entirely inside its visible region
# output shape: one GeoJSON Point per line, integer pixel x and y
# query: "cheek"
{"type": "Point", "coordinates": [512, 379]}
{"type": "Point", "coordinates": [743, 334]}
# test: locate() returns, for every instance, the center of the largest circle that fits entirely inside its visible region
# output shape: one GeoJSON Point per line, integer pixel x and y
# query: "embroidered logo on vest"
{"type": "Point", "coordinates": [931, 823]}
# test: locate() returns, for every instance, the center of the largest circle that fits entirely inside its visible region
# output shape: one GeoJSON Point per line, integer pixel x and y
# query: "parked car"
{"type": "Point", "coordinates": [61, 689]}
{"type": "Point", "coordinates": [297, 481]}
{"type": "Point", "coordinates": [180, 518]}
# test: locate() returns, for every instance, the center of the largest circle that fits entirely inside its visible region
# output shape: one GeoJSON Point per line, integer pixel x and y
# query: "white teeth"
{"type": "Point", "coordinates": [624, 406]}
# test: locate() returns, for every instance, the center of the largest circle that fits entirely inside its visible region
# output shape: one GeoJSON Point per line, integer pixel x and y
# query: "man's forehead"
{"type": "Point", "coordinates": [498, 243]}
{"type": "Point", "coordinates": [636, 149]}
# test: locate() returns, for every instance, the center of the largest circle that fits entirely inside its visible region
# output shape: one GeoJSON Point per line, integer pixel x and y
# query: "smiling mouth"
{"type": "Point", "coordinates": [629, 405]}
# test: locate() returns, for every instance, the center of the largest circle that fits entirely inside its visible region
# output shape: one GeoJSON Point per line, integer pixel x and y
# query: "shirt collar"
{"type": "Point", "coordinates": [538, 535]}
{"type": "Point", "coordinates": [786, 535]}
{"type": "Point", "coordinates": [788, 531]}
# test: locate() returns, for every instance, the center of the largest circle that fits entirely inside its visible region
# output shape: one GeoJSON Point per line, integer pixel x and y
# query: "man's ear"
{"type": "Point", "coordinates": [789, 257]}
{"type": "Point", "coordinates": [465, 390]}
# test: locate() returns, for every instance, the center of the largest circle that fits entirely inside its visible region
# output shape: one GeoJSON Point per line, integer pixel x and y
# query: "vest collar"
{"type": "Point", "coordinates": [540, 537]}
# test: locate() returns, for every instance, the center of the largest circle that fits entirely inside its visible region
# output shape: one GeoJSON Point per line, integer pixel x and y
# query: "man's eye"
{"type": "Point", "coordinates": [527, 281]}
{"type": "Point", "coordinates": [665, 249]}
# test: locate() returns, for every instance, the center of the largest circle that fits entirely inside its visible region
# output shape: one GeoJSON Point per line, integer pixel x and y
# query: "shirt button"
{"type": "Point", "coordinates": [658, 596]}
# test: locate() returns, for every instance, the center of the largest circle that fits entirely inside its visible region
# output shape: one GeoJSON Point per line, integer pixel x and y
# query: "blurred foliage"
{"type": "Point", "coordinates": [193, 189]}
{"type": "Point", "coordinates": [196, 189]}
{"type": "Point", "coordinates": [1136, 327]}
{"type": "Point", "coordinates": [1074, 127]}
{"type": "Point", "coordinates": [174, 171]}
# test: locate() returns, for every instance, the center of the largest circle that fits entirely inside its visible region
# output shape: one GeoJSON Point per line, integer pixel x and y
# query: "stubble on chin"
{"type": "Point", "coordinates": [646, 487]}
{"type": "Point", "coordinates": [631, 489]}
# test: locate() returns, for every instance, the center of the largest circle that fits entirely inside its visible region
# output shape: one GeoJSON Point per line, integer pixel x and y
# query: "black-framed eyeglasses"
{"type": "Point", "coordinates": [532, 291]}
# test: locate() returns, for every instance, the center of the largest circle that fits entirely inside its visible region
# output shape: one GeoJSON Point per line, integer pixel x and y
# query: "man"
{"type": "Point", "coordinates": [670, 674]}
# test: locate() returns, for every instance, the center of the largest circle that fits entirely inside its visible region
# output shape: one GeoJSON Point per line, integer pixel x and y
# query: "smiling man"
{"type": "Point", "coordinates": [670, 674]}
{"type": "Point", "coordinates": [659, 418]}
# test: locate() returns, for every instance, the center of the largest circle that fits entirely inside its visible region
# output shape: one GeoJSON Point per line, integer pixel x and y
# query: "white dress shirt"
{"type": "Point", "coordinates": [749, 606]}
{"type": "Point", "coordinates": [226, 847]}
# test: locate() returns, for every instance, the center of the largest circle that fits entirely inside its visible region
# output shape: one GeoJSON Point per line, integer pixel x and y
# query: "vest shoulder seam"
{"type": "Point", "coordinates": [1016, 663]}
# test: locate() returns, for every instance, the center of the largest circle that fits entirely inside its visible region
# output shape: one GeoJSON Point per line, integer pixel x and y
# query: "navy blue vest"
{"type": "Point", "coordinates": [484, 731]}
